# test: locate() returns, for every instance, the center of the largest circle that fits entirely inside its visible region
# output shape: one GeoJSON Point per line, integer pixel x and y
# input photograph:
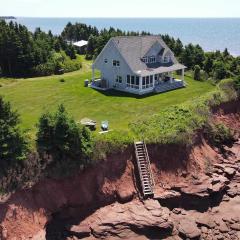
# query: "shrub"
{"type": "Point", "coordinates": [178, 124]}
{"type": "Point", "coordinates": [62, 80]}
{"type": "Point", "coordinates": [112, 142]}
{"type": "Point", "coordinates": [196, 73]}
{"type": "Point", "coordinates": [44, 69]}
{"type": "Point", "coordinates": [203, 75]}
{"type": "Point", "coordinates": [219, 70]}
{"type": "Point", "coordinates": [228, 90]}
{"type": "Point", "coordinates": [219, 135]}
{"type": "Point", "coordinates": [71, 65]}
{"type": "Point", "coordinates": [237, 83]}
{"type": "Point", "coordinates": [173, 125]}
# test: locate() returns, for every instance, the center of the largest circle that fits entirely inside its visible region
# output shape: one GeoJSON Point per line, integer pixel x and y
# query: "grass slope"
{"type": "Point", "coordinates": [33, 96]}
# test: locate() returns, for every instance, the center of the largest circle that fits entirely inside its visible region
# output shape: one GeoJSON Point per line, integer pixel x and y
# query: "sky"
{"type": "Point", "coordinates": [120, 8]}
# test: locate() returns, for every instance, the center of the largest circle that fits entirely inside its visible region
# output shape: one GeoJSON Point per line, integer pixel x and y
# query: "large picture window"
{"type": "Point", "coordinates": [147, 82]}
{"type": "Point", "coordinates": [132, 81]}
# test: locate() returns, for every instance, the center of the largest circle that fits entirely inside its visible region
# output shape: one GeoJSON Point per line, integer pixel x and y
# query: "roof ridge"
{"type": "Point", "coordinates": [139, 36]}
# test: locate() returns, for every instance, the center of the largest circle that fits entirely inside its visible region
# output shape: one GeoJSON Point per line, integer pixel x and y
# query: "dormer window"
{"type": "Point", "coordinates": [166, 59]}
{"type": "Point", "coordinates": [152, 59]}
{"type": "Point", "coordinates": [145, 59]}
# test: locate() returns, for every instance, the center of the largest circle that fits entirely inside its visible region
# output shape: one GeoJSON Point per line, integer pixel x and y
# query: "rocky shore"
{"type": "Point", "coordinates": [208, 209]}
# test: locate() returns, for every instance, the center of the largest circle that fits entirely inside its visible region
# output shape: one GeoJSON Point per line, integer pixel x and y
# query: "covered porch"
{"type": "Point", "coordinates": [159, 81]}
{"type": "Point", "coordinates": [142, 82]}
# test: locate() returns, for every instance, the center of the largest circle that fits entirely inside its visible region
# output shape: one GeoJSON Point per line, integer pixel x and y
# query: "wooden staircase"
{"type": "Point", "coordinates": [144, 168]}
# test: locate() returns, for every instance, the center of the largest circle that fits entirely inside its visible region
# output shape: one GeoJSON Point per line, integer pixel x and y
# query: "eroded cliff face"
{"type": "Point", "coordinates": [26, 212]}
{"type": "Point", "coordinates": [103, 201]}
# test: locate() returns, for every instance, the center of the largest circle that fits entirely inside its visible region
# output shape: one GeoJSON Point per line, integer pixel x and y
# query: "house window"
{"type": "Point", "coordinates": [116, 63]}
{"type": "Point", "coordinates": [133, 81]}
{"type": "Point", "coordinates": [119, 79]}
{"type": "Point", "coordinates": [145, 59]}
{"type": "Point", "coordinates": [143, 82]}
{"type": "Point", "coordinates": [147, 82]}
{"type": "Point", "coordinates": [151, 81]}
{"type": "Point", "coordinates": [137, 80]}
{"type": "Point", "coordinates": [166, 59]}
{"type": "Point", "coordinates": [105, 60]}
{"type": "Point", "coordinates": [152, 59]}
{"type": "Point", "coordinates": [128, 79]}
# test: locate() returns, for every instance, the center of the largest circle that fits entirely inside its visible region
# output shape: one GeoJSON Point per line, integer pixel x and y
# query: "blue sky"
{"type": "Point", "coordinates": [120, 8]}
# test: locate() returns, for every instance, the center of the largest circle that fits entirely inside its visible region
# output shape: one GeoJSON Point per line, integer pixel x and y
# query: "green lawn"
{"type": "Point", "coordinates": [33, 96]}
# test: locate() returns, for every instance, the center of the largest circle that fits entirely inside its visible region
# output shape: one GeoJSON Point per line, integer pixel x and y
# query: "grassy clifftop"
{"type": "Point", "coordinates": [33, 96]}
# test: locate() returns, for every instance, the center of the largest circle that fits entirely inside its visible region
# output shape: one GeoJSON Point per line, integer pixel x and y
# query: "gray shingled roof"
{"type": "Point", "coordinates": [134, 48]}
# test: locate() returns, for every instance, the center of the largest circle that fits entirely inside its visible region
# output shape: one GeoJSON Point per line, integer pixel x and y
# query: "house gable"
{"type": "Point", "coordinates": [104, 63]}
{"type": "Point", "coordinates": [110, 52]}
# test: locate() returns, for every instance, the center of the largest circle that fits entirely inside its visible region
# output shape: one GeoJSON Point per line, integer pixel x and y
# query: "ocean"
{"type": "Point", "coordinates": [210, 33]}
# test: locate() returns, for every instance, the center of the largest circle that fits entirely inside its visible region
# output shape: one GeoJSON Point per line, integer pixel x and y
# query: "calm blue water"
{"type": "Point", "coordinates": [211, 34]}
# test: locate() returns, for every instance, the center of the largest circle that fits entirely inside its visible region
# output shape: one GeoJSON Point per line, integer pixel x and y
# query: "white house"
{"type": "Point", "coordinates": [137, 64]}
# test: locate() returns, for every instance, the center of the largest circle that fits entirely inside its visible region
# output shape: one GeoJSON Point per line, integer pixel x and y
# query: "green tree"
{"type": "Point", "coordinates": [199, 56]}
{"type": "Point", "coordinates": [13, 144]}
{"type": "Point", "coordinates": [70, 51]}
{"type": "Point", "coordinates": [187, 56]}
{"type": "Point", "coordinates": [91, 47]}
{"type": "Point", "coordinates": [225, 53]}
{"type": "Point", "coordinates": [197, 75]}
{"type": "Point", "coordinates": [208, 65]}
{"type": "Point", "coordinates": [59, 135]}
{"type": "Point", "coordinates": [219, 70]}
{"type": "Point", "coordinates": [178, 47]}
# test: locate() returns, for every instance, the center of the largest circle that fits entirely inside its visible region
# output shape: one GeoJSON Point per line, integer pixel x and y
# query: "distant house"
{"type": "Point", "coordinates": [137, 64]}
{"type": "Point", "coordinates": [81, 43]}
{"type": "Point", "coordinates": [81, 46]}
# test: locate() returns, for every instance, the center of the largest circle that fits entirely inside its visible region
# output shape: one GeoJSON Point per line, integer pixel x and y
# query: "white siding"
{"type": "Point", "coordinates": [109, 72]}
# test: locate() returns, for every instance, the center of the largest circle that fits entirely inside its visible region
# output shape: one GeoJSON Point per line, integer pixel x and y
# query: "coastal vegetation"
{"type": "Point", "coordinates": [26, 54]}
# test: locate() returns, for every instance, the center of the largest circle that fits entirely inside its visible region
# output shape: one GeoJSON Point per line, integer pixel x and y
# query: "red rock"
{"type": "Point", "coordinates": [188, 229]}
{"type": "Point", "coordinates": [125, 195]}
{"type": "Point", "coordinates": [80, 231]}
{"type": "Point", "coordinates": [229, 171]}
{"type": "Point", "coordinates": [206, 221]}
{"type": "Point", "coordinates": [223, 228]}
{"type": "Point", "coordinates": [235, 226]}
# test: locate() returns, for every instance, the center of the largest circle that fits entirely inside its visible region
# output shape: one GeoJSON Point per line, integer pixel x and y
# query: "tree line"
{"type": "Point", "coordinates": [23, 53]}
{"type": "Point", "coordinates": [205, 65]}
